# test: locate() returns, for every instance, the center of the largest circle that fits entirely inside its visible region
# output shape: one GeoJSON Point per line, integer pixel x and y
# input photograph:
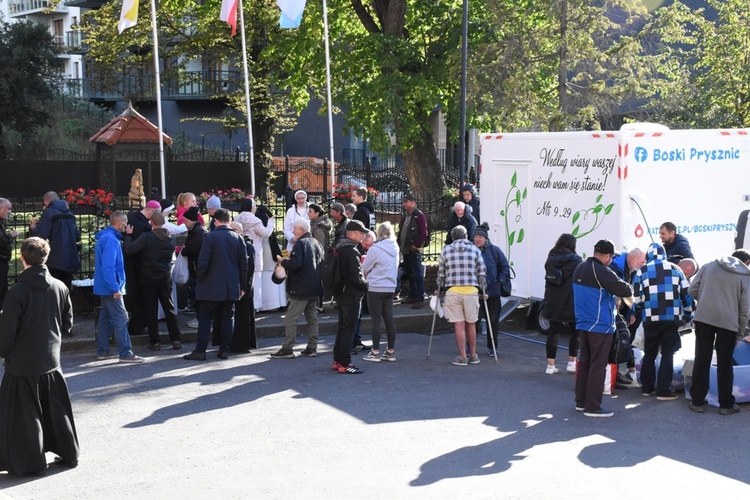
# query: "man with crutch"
{"type": "Point", "coordinates": [461, 274]}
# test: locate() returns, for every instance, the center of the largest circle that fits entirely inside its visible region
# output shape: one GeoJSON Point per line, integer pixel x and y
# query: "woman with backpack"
{"type": "Point", "coordinates": [558, 299]}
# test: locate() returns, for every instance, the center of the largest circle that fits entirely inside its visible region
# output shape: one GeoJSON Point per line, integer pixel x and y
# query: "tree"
{"type": "Point", "coordinates": [714, 52]}
{"type": "Point", "coordinates": [393, 64]}
{"type": "Point", "coordinates": [28, 76]}
{"type": "Point", "coordinates": [189, 31]}
{"type": "Point", "coordinates": [560, 65]}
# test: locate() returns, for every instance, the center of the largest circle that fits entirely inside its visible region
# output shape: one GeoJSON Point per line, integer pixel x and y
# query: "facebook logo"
{"type": "Point", "coordinates": [641, 154]}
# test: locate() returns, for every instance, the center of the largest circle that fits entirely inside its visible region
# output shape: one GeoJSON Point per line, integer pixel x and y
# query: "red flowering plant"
{"type": "Point", "coordinates": [226, 196]}
{"type": "Point", "coordinates": [343, 194]}
{"type": "Point", "coordinates": [81, 197]}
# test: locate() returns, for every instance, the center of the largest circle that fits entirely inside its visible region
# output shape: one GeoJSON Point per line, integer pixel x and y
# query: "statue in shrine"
{"type": "Point", "coordinates": [137, 199]}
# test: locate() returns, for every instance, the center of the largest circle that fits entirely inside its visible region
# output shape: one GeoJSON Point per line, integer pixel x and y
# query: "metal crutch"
{"type": "Point", "coordinates": [489, 323]}
{"type": "Point", "coordinates": [432, 330]}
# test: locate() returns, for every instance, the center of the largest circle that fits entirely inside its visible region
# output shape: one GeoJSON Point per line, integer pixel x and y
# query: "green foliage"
{"type": "Point", "coordinates": [192, 36]}
{"type": "Point", "coordinates": [27, 76]}
{"type": "Point", "coordinates": [713, 90]}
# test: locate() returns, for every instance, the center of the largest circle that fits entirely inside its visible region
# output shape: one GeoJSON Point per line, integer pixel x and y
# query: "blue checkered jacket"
{"type": "Point", "coordinates": [662, 289]}
{"type": "Point", "coordinates": [460, 264]}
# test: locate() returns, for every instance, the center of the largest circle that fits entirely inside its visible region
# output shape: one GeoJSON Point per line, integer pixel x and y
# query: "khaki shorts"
{"type": "Point", "coordinates": [459, 307]}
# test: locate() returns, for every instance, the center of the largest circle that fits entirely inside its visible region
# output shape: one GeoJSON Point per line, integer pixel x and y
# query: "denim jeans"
{"type": "Point", "coordinates": [414, 268]}
{"type": "Point", "coordinates": [665, 335]}
{"type": "Point", "coordinates": [113, 318]}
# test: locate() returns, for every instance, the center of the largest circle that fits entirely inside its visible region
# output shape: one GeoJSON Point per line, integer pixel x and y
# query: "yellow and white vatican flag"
{"type": "Point", "coordinates": [128, 15]}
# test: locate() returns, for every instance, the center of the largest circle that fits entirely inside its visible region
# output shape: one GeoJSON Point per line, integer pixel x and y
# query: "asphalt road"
{"type": "Point", "coordinates": [252, 427]}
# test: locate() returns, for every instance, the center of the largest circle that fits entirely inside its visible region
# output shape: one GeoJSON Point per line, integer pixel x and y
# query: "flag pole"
{"type": "Point", "coordinates": [250, 147]}
{"type": "Point", "coordinates": [158, 100]}
{"type": "Point", "coordinates": [328, 95]}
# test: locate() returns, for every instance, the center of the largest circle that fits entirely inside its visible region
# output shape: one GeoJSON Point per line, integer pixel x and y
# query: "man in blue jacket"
{"type": "Point", "coordinates": [109, 285]}
{"type": "Point", "coordinates": [595, 288]}
{"type": "Point", "coordinates": [303, 286]}
{"type": "Point", "coordinates": [498, 282]}
{"type": "Point", "coordinates": [57, 225]}
{"type": "Point", "coordinates": [221, 275]}
{"type": "Point", "coordinates": [676, 245]}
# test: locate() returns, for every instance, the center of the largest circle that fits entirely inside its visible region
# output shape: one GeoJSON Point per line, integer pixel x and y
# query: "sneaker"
{"type": "Point", "coordinates": [418, 305]}
{"type": "Point", "coordinates": [633, 376]}
{"type": "Point", "coordinates": [188, 311]}
{"type": "Point", "coordinates": [474, 359]}
{"type": "Point", "coordinates": [648, 393]}
{"type": "Point", "coordinates": [154, 347]}
{"type": "Point", "coordinates": [320, 310]}
{"type": "Point", "coordinates": [388, 356]}
{"type": "Point", "coordinates": [193, 323]}
{"type": "Point", "coordinates": [336, 365]}
{"type": "Point", "coordinates": [132, 359]}
{"type": "Point", "coordinates": [491, 352]}
{"type": "Point", "coordinates": [729, 411]}
{"type": "Point", "coordinates": [283, 354]}
{"type": "Point", "coordinates": [309, 352]}
{"type": "Point", "coordinates": [109, 355]}
{"type": "Point", "coordinates": [222, 354]}
{"type": "Point", "coordinates": [668, 397]}
{"type": "Point", "coordinates": [551, 370]}
{"type": "Point", "coordinates": [360, 348]}
{"type": "Point", "coordinates": [580, 408]}
{"type": "Point", "coordinates": [600, 413]}
{"type": "Point", "coordinates": [176, 345]}
{"type": "Point", "coordinates": [372, 356]}
{"type": "Point", "coordinates": [696, 408]}
{"type": "Point", "coordinates": [571, 367]}
{"type": "Point", "coordinates": [461, 361]}
{"type": "Point", "coordinates": [351, 369]}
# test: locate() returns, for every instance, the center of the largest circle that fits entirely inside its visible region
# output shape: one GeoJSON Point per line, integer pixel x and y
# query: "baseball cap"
{"type": "Point", "coordinates": [408, 197]}
{"type": "Point", "coordinates": [605, 247]}
{"type": "Point", "coordinates": [355, 225]}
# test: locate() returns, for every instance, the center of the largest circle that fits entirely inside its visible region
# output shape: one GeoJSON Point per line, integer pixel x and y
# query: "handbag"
{"type": "Point", "coordinates": [180, 272]}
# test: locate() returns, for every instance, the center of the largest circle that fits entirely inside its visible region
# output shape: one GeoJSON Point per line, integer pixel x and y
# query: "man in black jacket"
{"type": "Point", "coordinates": [191, 250]}
{"type": "Point", "coordinates": [139, 221]}
{"type": "Point", "coordinates": [338, 214]}
{"type": "Point", "coordinates": [348, 293]}
{"type": "Point", "coordinates": [304, 287]}
{"type": "Point", "coordinates": [412, 234]}
{"type": "Point", "coordinates": [156, 248]}
{"type": "Point", "coordinates": [57, 225]}
{"type": "Point", "coordinates": [6, 247]}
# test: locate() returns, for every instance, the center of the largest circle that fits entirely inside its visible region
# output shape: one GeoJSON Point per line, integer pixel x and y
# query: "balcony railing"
{"type": "Point", "coordinates": [191, 85]}
{"type": "Point", "coordinates": [75, 41]}
{"type": "Point", "coordinates": [16, 7]}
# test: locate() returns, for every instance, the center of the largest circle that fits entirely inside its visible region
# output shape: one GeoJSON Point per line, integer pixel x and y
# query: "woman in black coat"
{"type": "Point", "coordinates": [558, 297]}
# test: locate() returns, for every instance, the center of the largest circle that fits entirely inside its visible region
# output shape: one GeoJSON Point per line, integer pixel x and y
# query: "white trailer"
{"type": "Point", "coordinates": [621, 185]}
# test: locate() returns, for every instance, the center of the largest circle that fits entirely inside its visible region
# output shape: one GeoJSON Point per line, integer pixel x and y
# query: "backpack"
{"type": "Point", "coordinates": [330, 274]}
{"type": "Point", "coordinates": [621, 349]}
{"type": "Point", "coordinates": [553, 275]}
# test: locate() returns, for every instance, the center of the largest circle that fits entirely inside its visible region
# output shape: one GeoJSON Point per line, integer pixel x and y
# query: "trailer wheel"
{"type": "Point", "coordinates": [542, 321]}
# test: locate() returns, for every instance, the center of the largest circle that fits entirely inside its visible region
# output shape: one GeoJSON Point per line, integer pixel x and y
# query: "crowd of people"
{"type": "Point", "coordinates": [236, 268]}
{"type": "Point", "coordinates": [653, 289]}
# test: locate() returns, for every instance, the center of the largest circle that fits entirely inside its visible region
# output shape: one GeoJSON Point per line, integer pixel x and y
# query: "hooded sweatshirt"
{"type": "Point", "coordinates": [722, 291]}
{"type": "Point", "coordinates": [36, 313]}
{"type": "Point", "coordinates": [662, 289]}
{"type": "Point", "coordinates": [381, 266]}
{"type": "Point", "coordinates": [678, 249]}
{"type": "Point", "coordinates": [365, 214]}
{"type": "Point", "coordinates": [320, 228]}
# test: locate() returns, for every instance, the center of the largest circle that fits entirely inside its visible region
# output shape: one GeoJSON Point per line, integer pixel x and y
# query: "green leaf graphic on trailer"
{"type": "Point", "coordinates": [586, 221]}
{"type": "Point", "coordinates": [513, 200]}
